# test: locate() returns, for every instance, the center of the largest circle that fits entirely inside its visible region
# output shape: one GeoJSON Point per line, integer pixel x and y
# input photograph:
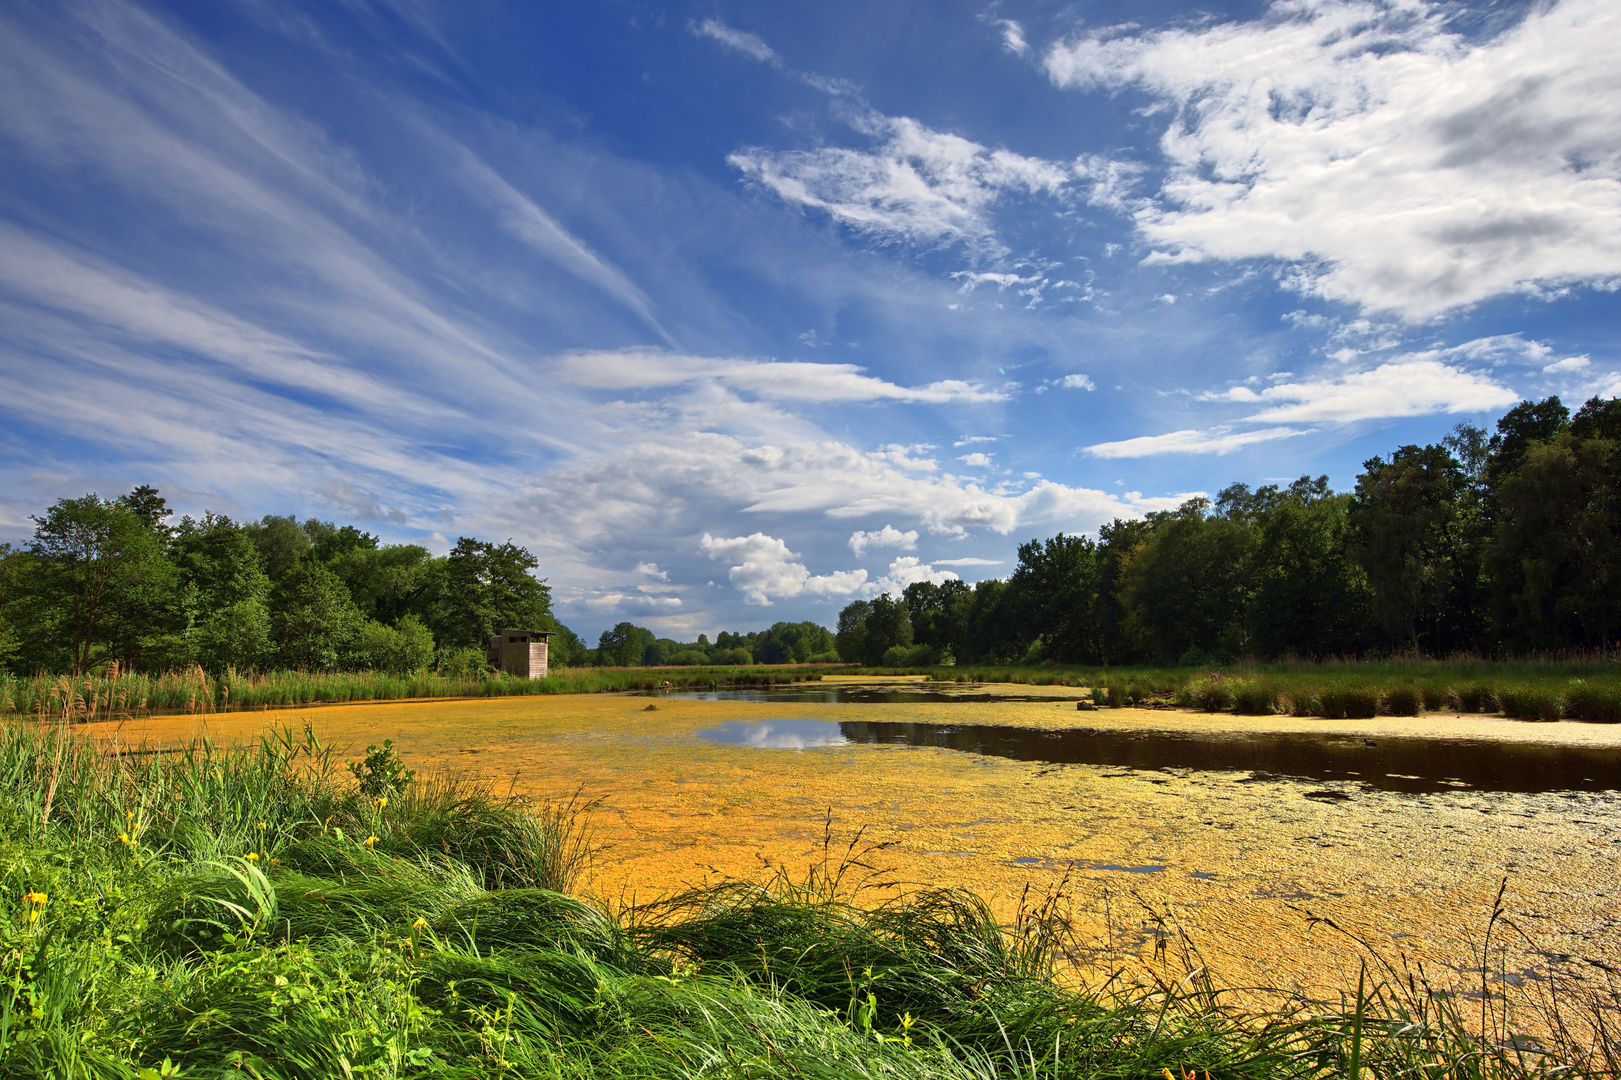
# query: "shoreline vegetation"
{"type": "Point", "coordinates": [1574, 688]}
{"type": "Point", "coordinates": [269, 911]}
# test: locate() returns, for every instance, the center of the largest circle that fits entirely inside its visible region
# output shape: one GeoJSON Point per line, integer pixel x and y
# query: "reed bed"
{"type": "Point", "coordinates": [122, 692]}
{"type": "Point", "coordinates": [267, 912]}
{"type": "Point", "coordinates": [1552, 689]}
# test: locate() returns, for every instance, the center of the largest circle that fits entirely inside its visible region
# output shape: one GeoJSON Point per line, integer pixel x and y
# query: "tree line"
{"type": "Point", "coordinates": [1501, 544]}
{"type": "Point", "coordinates": [115, 580]}
{"type": "Point", "coordinates": [1490, 544]}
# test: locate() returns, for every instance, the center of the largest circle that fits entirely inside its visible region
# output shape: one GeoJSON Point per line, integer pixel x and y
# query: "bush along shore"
{"type": "Point", "coordinates": [265, 912]}
{"type": "Point", "coordinates": [1555, 689]}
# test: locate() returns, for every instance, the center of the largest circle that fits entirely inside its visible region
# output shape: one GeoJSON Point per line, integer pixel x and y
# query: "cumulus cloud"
{"type": "Point", "coordinates": [976, 460]}
{"type": "Point", "coordinates": [909, 570]}
{"type": "Point", "coordinates": [764, 569]}
{"type": "Point", "coordinates": [887, 537]}
{"type": "Point", "coordinates": [1418, 386]}
{"type": "Point", "coordinates": [1217, 441]}
{"type": "Point", "coordinates": [750, 45]}
{"type": "Point", "coordinates": [652, 570]}
{"type": "Point", "coordinates": [800, 381]}
{"type": "Point", "coordinates": [1391, 162]}
{"type": "Point", "coordinates": [1077, 382]}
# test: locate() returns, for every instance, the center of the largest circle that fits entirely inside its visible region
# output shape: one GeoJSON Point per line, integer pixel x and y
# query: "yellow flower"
{"type": "Point", "coordinates": [382, 801]}
{"type": "Point", "coordinates": [32, 897]}
{"type": "Point", "coordinates": [275, 862]}
{"type": "Point", "coordinates": [262, 825]}
{"type": "Point", "coordinates": [123, 838]}
{"type": "Point", "coordinates": [370, 840]}
{"type": "Point", "coordinates": [419, 925]}
{"type": "Point", "coordinates": [252, 856]}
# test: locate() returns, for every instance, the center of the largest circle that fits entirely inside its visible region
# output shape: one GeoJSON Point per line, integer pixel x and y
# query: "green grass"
{"type": "Point", "coordinates": [220, 913]}
{"type": "Point", "coordinates": [91, 696]}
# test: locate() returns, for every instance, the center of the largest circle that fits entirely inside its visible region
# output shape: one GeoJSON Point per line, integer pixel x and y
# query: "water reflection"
{"type": "Point", "coordinates": [778, 734]}
{"type": "Point", "coordinates": [1404, 764]}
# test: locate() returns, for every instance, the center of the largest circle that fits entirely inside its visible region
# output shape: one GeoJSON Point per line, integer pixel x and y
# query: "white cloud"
{"type": "Point", "coordinates": [967, 562]}
{"type": "Point", "coordinates": [799, 381]}
{"type": "Point", "coordinates": [970, 440]}
{"type": "Point", "coordinates": [887, 537]}
{"type": "Point", "coordinates": [1569, 363]}
{"type": "Point", "coordinates": [1395, 164]}
{"type": "Point", "coordinates": [652, 570]}
{"type": "Point", "coordinates": [1415, 386]}
{"type": "Point", "coordinates": [639, 601]}
{"type": "Point", "coordinates": [764, 569]}
{"type": "Point", "coordinates": [976, 460]}
{"type": "Point", "coordinates": [1077, 382]}
{"type": "Point", "coordinates": [750, 45]}
{"type": "Point", "coordinates": [1189, 442]}
{"type": "Point", "coordinates": [908, 570]}
{"type": "Point", "coordinates": [926, 187]}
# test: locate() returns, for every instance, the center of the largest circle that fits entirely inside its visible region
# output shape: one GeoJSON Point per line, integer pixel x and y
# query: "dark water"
{"type": "Point", "coordinates": [858, 695]}
{"type": "Point", "coordinates": [1405, 764]}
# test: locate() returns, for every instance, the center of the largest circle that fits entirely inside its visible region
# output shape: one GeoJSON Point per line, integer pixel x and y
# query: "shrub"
{"type": "Point", "coordinates": [1303, 702]}
{"type": "Point", "coordinates": [1349, 703]}
{"type": "Point", "coordinates": [1528, 703]}
{"type": "Point", "coordinates": [1475, 698]}
{"type": "Point", "coordinates": [406, 646]}
{"type": "Point", "coordinates": [1211, 695]}
{"type": "Point", "coordinates": [1596, 705]}
{"type": "Point", "coordinates": [1116, 697]}
{"type": "Point", "coordinates": [1433, 698]}
{"type": "Point", "coordinates": [1399, 701]}
{"type": "Point", "coordinates": [732, 657]}
{"type": "Point", "coordinates": [1254, 699]}
{"type": "Point", "coordinates": [689, 658]}
{"type": "Point", "coordinates": [468, 663]}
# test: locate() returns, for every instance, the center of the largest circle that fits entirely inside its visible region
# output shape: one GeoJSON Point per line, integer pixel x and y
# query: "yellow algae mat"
{"type": "Point", "coordinates": [1237, 864]}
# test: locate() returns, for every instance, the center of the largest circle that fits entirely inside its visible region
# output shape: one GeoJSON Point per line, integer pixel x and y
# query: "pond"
{"type": "Point", "coordinates": [1403, 764]}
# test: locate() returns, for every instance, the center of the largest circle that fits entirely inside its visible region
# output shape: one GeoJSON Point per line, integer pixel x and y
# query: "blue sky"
{"type": "Point", "coordinates": [735, 312]}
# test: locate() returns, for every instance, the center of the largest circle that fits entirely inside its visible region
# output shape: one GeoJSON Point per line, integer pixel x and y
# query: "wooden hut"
{"type": "Point", "coordinates": [520, 653]}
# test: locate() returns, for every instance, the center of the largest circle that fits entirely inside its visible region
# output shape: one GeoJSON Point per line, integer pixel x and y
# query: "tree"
{"type": "Point", "coordinates": [281, 542]}
{"type": "Point", "coordinates": [104, 582]}
{"type": "Point", "coordinates": [1057, 584]}
{"type": "Point", "coordinates": [316, 624]}
{"type": "Point", "coordinates": [624, 646]}
{"type": "Point", "coordinates": [887, 626]}
{"type": "Point", "coordinates": [1185, 588]}
{"type": "Point", "coordinates": [939, 615]}
{"type": "Point", "coordinates": [11, 571]}
{"type": "Point", "coordinates": [1308, 595]}
{"type": "Point", "coordinates": [1405, 514]}
{"type": "Point", "coordinates": [488, 587]}
{"type": "Point", "coordinates": [851, 637]}
{"type": "Point", "coordinates": [1555, 554]}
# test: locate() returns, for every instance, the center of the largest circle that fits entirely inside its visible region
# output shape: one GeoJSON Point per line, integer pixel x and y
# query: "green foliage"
{"type": "Point", "coordinates": [405, 647]}
{"type": "Point", "coordinates": [316, 625]}
{"type": "Point", "coordinates": [380, 773]}
{"type": "Point", "coordinates": [1254, 698]}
